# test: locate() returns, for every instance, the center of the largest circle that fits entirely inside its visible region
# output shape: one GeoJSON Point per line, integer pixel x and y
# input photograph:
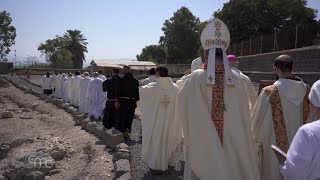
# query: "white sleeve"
{"type": "Point", "coordinates": [299, 156]}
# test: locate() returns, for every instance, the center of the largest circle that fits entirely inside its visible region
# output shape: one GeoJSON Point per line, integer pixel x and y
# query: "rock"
{"type": "Point", "coordinates": [4, 149]}
{"type": "Point", "coordinates": [87, 126]}
{"type": "Point", "coordinates": [97, 129]}
{"type": "Point", "coordinates": [73, 111]}
{"type": "Point", "coordinates": [122, 166]}
{"type": "Point", "coordinates": [121, 155]}
{"type": "Point", "coordinates": [112, 137]}
{"type": "Point", "coordinates": [58, 154]}
{"type": "Point", "coordinates": [79, 118]}
{"type": "Point", "coordinates": [126, 176]}
{"type": "Point", "coordinates": [54, 171]}
{"type": "Point", "coordinates": [26, 117]}
{"type": "Point", "coordinates": [7, 114]}
{"type": "Point", "coordinates": [26, 110]}
{"type": "Point", "coordinates": [122, 146]}
{"type": "Point", "coordinates": [35, 175]}
{"type": "Point", "coordinates": [22, 166]}
{"type": "Point", "coordinates": [84, 122]}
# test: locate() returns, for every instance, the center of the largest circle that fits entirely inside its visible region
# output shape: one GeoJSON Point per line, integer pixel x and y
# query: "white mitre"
{"type": "Point", "coordinates": [196, 64]}
{"type": "Point", "coordinates": [216, 35]}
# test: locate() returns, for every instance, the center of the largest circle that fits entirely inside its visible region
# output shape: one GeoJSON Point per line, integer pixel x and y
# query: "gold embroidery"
{"type": "Point", "coordinates": [165, 100]}
{"type": "Point", "coordinates": [278, 119]}
{"type": "Point", "coordinates": [306, 106]}
{"type": "Point", "coordinates": [218, 107]}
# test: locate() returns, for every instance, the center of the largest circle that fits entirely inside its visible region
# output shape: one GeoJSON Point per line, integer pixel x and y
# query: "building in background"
{"type": "Point", "coordinates": [139, 68]}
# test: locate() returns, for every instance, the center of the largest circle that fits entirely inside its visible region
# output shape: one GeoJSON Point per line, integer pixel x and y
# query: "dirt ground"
{"type": "Point", "coordinates": [40, 128]}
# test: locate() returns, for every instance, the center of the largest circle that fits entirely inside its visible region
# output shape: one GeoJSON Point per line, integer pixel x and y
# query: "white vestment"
{"type": "Point", "coordinates": [56, 85]}
{"type": "Point", "coordinates": [46, 82]}
{"type": "Point", "coordinates": [250, 90]}
{"type": "Point", "coordinates": [148, 80]}
{"type": "Point", "coordinates": [209, 159]}
{"type": "Point", "coordinates": [303, 157]}
{"type": "Point", "coordinates": [62, 88]}
{"type": "Point", "coordinates": [291, 96]}
{"type": "Point", "coordinates": [67, 86]}
{"type": "Point", "coordinates": [94, 96]}
{"type": "Point", "coordinates": [180, 83]}
{"type": "Point", "coordinates": [161, 131]}
{"type": "Point", "coordinates": [75, 86]}
{"type": "Point", "coordinates": [83, 103]}
{"type": "Point", "coordinates": [102, 77]}
{"type": "Point", "coordinates": [196, 64]}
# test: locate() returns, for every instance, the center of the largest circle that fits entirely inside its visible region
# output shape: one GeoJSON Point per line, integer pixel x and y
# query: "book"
{"type": "Point", "coordinates": [282, 156]}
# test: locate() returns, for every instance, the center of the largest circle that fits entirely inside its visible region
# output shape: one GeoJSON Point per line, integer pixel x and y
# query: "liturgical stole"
{"type": "Point", "coordinates": [277, 115]}
{"type": "Point", "coordinates": [217, 101]}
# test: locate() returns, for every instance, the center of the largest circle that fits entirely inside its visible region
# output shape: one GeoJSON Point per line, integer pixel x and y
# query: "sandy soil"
{"type": "Point", "coordinates": [36, 126]}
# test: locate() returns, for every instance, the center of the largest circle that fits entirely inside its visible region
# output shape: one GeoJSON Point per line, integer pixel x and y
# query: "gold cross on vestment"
{"type": "Point", "coordinates": [165, 100]}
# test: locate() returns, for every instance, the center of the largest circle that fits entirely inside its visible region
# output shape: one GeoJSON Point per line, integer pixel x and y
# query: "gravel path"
{"type": "Point", "coordinates": [33, 125]}
{"type": "Point", "coordinates": [141, 171]}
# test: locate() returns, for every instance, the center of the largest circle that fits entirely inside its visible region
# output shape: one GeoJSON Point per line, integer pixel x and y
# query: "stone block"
{"type": "Point", "coordinates": [87, 126]}
{"type": "Point", "coordinates": [84, 122]}
{"type": "Point", "coordinates": [122, 146]}
{"type": "Point", "coordinates": [97, 129]}
{"type": "Point", "coordinates": [79, 118]}
{"type": "Point", "coordinates": [112, 137]}
{"type": "Point", "coordinates": [122, 166]}
{"type": "Point", "coordinates": [126, 176]}
{"type": "Point", "coordinates": [121, 155]}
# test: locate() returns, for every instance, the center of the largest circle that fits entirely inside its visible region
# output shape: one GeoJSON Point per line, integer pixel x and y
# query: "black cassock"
{"type": "Point", "coordinates": [111, 115]}
{"type": "Point", "coordinates": [128, 97]}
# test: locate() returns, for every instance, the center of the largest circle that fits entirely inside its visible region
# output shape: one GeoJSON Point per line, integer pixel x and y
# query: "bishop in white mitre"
{"type": "Point", "coordinates": [251, 93]}
{"type": "Point", "coordinates": [94, 96]}
{"type": "Point", "coordinates": [279, 112]}
{"type": "Point", "coordinates": [161, 131]}
{"type": "Point", "coordinates": [75, 89]}
{"type": "Point", "coordinates": [83, 103]}
{"type": "Point", "coordinates": [215, 115]}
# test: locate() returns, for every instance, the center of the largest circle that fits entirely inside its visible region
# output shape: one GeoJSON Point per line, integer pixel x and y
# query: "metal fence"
{"type": "Point", "coordinates": [303, 35]}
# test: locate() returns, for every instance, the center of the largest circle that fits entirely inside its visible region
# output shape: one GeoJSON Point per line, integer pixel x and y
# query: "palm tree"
{"type": "Point", "coordinates": [76, 43]}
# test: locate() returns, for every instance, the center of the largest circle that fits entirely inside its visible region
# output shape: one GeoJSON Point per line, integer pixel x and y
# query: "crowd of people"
{"type": "Point", "coordinates": [227, 128]}
{"type": "Point", "coordinates": [111, 98]}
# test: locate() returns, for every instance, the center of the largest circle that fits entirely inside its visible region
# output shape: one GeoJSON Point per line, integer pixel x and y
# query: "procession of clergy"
{"type": "Point", "coordinates": [226, 126]}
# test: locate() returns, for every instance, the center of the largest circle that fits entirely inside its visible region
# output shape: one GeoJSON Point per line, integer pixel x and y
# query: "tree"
{"type": "Point", "coordinates": [56, 53]}
{"type": "Point", "coordinates": [249, 18]}
{"type": "Point", "coordinates": [181, 38]}
{"type": "Point", "coordinates": [7, 34]}
{"type": "Point", "coordinates": [154, 53]}
{"type": "Point", "coordinates": [76, 43]}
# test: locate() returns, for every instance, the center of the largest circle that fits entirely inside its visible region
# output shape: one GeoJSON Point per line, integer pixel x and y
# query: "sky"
{"type": "Point", "coordinates": [115, 29]}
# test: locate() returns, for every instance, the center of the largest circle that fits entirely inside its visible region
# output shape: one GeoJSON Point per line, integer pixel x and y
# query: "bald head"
{"type": "Point", "coordinates": [283, 63]}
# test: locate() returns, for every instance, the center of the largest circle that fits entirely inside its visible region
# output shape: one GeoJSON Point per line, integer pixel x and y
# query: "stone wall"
{"type": "Point", "coordinates": [306, 64]}
{"type": "Point", "coordinates": [177, 69]}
